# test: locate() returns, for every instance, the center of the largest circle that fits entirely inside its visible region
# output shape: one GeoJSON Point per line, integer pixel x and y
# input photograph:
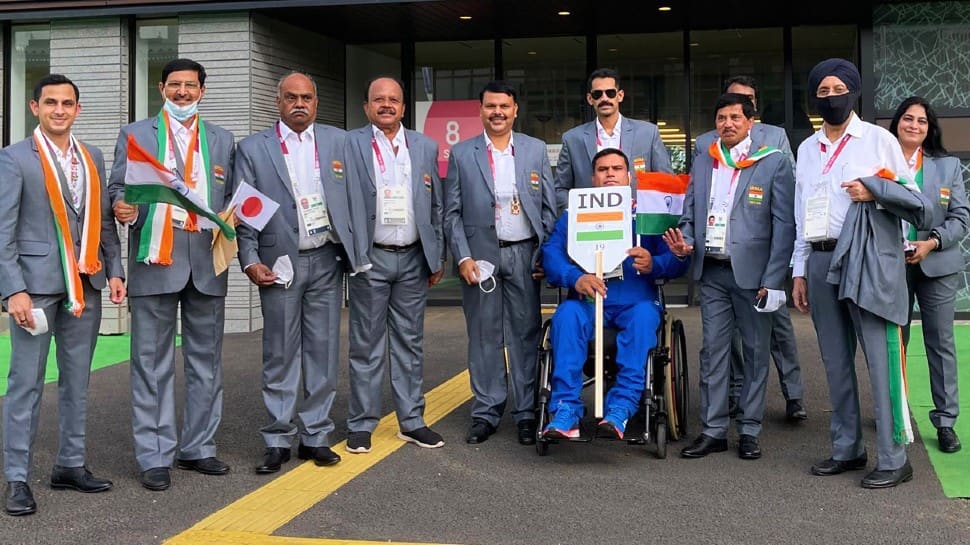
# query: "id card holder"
{"type": "Point", "coordinates": [716, 237]}
{"type": "Point", "coordinates": [394, 205]}
{"type": "Point", "coordinates": [817, 214]}
{"type": "Point", "coordinates": [179, 217]}
{"type": "Point", "coordinates": [313, 210]}
{"type": "Point", "coordinates": [615, 273]}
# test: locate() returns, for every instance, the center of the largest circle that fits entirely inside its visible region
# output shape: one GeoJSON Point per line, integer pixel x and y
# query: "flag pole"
{"type": "Point", "coordinates": [599, 339]}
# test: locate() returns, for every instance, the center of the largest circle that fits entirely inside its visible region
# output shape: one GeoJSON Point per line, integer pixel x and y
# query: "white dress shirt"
{"type": "Point", "coordinates": [301, 148]}
{"type": "Point", "coordinates": [73, 173]}
{"type": "Point", "coordinates": [604, 140]}
{"type": "Point", "coordinates": [508, 226]}
{"type": "Point", "coordinates": [396, 173]}
{"type": "Point", "coordinates": [869, 148]}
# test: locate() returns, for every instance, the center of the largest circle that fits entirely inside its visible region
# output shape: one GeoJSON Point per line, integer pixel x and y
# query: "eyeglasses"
{"type": "Point", "coordinates": [598, 93]}
{"type": "Point", "coordinates": [176, 85]}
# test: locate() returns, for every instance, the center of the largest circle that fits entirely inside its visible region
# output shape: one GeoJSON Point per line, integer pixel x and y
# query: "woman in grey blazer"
{"type": "Point", "coordinates": [934, 258]}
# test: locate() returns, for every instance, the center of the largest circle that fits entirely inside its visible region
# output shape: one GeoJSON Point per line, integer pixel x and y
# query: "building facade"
{"type": "Point", "coordinates": [672, 56]}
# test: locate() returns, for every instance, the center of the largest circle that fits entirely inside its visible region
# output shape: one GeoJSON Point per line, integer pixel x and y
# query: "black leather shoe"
{"type": "Point", "coordinates": [888, 478]}
{"type": "Point", "coordinates": [273, 460]}
{"type": "Point", "coordinates": [19, 499]}
{"type": "Point", "coordinates": [949, 442]}
{"type": "Point", "coordinates": [77, 478]}
{"type": "Point", "coordinates": [156, 478]}
{"type": "Point", "coordinates": [748, 448]}
{"type": "Point", "coordinates": [322, 456]}
{"type": "Point", "coordinates": [794, 410]}
{"type": "Point", "coordinates": [527, 432]}
{"type": "Point", "coordinates": [834, 467]}
{"type": "Point", "coordinates": [734, 406]}
{"type": "Point", "coordinates": [704, 445]}
{"type": "Point", "coordinates": [479, 432]}
{"type": "Point", "coordinates": [205, 466]}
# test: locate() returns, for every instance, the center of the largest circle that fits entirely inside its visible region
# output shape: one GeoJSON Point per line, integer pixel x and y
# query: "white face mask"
{"type": "Point", "coordinates": [485, 270]}
{"type": "Point", "coordinates": [181, 113]}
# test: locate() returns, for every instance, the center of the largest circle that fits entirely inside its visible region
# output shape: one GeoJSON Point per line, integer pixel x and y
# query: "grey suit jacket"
{"type": "Point", "coordinates": [945, 173]}
{"type": "Point", "coordinates": [762, 134]}
{"type": "Point", "coordinates": [761, 233]}
{"type": "Point", "coordinates": [261, 164]}
{"type": "Point", "coordinates": [470, 196]}
{"type": "Point", "coordinates": [191, 253]}
{"type": "Point", "coordinates": [29, 256]}
{"type": "Point", "coordinates": [574, 168]}
{"type": "Point", "coordinates": [425, 188]}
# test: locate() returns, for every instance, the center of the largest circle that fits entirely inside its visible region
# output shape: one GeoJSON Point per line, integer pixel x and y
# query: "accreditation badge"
{"type": "Point", "coordinates": [817, 213]}
{"type": "Point", "coordinates": [394, 205]}
{"type": "Point", "coordinates": [945, 196]}
{"type": "Point", "coordinates": [716, 237]}
{"type": "Point", "coordinates": [316, 220]}
{"type": "Point", "coordinates": [179, 217]}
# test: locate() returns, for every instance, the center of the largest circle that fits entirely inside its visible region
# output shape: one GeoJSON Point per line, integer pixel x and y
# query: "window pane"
{"type": "Point", "coordinates": [30, 60]}
{"type": "Point", "coordinates": [156, 44]}
{"type": "Point", "coordinates": [651, 68]}
{"type": "Point", "coordinates": [364, 63]}
{"type": "Point", "coordinates": [810, 46]}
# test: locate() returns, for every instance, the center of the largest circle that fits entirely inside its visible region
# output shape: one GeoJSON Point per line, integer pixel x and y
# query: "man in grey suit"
{"type": "Point", "coordinates": [639, 140]}
{"type": "Point", "coordinates": [784, 350]}
{"type": "Point", "coordinates": [739, 222]}
{"type": "Point", "coordinates": [58, 245]}
{"type": "Point", "coordinates": [163, 279]}
{"type": "Point", "coordinates": [300, 164]}
{"type": "Point", "coordinates": [396, 171]}
{"type": "Point", "coordinates": [499, 207]}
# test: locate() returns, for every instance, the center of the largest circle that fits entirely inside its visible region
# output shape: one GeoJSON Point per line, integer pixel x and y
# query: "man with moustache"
{"type": "Point", "coordinates": [499, 205]}
{"type": "Point", "coordinates": [741, 263]}
{"type": "Point", "coordinates": [300, 164]}
{"type": "Point", "coordinates": [639, 140]}
{"type": "Point", "coordinates": [166, 280]}
{"type": "Point", "coordinates": [848, 217]}
{"type": "Point", "coordinates": [633, 308]}
{"type": "Point", "coordinates": [58, 245]}
{"type": "Point", "coordinates": [396, 171]}
{"type": "Point", "coordinates": [784, 351]}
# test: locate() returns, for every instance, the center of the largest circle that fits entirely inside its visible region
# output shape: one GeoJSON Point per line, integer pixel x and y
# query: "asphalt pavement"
{"type": "Point", "coordinates": [500, 492]}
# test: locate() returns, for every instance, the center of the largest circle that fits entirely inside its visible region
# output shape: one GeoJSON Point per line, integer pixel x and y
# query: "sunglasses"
{"type": "Point", "coordinates": [598, 93]}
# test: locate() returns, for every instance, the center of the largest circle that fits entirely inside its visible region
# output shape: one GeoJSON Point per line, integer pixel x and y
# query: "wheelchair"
{"type": "Point", "coordinates": [662, 413]}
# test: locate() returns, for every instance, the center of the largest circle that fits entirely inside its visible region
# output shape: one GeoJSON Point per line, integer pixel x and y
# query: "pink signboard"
{"type": "Point", "coordinates": [448, 122]}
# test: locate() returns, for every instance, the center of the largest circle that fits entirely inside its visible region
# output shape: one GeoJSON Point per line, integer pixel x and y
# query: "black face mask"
{"type": "Point", "coordinates": [836, 109]}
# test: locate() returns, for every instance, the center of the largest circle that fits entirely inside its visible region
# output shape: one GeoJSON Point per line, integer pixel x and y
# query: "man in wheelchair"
{"type": "Point", "coordinates": [630, 305]}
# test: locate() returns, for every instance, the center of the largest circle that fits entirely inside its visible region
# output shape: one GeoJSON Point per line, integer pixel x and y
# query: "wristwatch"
{"type": "Point", "coordinates": [935, 236]}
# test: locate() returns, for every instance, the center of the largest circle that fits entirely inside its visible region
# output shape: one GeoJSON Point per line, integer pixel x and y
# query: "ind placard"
{"type": "Point", "coordinates": [600, 219]}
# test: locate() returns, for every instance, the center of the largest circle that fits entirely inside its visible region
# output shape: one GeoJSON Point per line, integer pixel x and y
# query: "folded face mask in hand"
{"type": "Point", "coordinates": [771, 302]}
{"type": "Point", "coordinates": [284, 271]}
{"type": "Point", "coordinates": [485, 271]}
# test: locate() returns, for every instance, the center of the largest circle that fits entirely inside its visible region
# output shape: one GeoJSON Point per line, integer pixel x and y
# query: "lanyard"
{"type": "Point", "coordinates": [838, 150]}
{"type": "Point", "coordinates": [734, 178]}
{"type": "Point", "coordinates": [291, 169]}
{"type": "Point", "coordinates": [599, 143]}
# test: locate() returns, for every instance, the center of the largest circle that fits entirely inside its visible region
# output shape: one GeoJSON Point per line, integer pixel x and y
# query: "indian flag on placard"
{"type": "Point", "coordinates": [148, 182]}
{"type": "Point", "coordinates": [599, 226]}
{"type": "Point", "coordinates": [660, 201]}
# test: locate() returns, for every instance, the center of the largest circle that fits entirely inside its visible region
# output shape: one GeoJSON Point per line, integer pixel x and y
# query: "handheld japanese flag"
{"type": "Point", "coordinates": [148, 182]}
{"type": "Point", "coordinates": [660, 201]}
{"type": "Point", "coordinates": [599, 220]}
{"type": "Point", "coordinates": [252, 207]}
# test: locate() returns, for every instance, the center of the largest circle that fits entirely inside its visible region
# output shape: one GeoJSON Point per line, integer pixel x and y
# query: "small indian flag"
{"type": "Point", "coordinates": [148, 182]}
{"type": "Point", "coordinates": [660, 201]}
{"type": "Point", "coordinates": [599, 226]}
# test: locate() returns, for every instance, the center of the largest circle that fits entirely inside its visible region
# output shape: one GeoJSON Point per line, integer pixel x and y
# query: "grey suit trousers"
{"type": "Point", "coordinates": [503, 337]}
{"type": "Point", "coordinates": [784, 352]}
{"type": "Point", "coordinates": [25, 383]}
{"type": "Point", "coordinates": [387, 323]}
{"type": "Point", "coordinates": [838, 325]}
{"type": "Point", "coordinates": [724, 307]}
{"type": "Point", "coordinates": [301, 334]}
{"type": "Point", "coordinates": [153, 323]}
{"type": "Point", "coordinates": [937, 297]}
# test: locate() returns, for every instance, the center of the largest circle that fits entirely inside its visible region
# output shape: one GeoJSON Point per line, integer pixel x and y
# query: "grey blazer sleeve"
{"type": "Point", "coordinates": [659, 156]}
{"type": "Point", "coordinates": [359, 221]}
{"type": "Point", "coordinates": [454, 228]}
{"type": "Point", "coordinates": [11, 276]}
{"type": "Point", "coordinates": [782, 226]}
{"type": "Point", "coordinates": [116, 180]}
{"type": "Point", "coordinates": [242, 169]}
{"type": "Point", "coordinates": [110, 243]}
{"type": "Point", "coordinates": [955, 225]}
{"type": "Point", "coordinates": [549, 196]}
{"type": "Point", "coordinates": [911, 206]}
{"type": "Point", "coordinates": [437, 205]}
{"type": "Point", "coordinates": [686, 225]}
{"type": "Point", "coordinates": [564, 178]}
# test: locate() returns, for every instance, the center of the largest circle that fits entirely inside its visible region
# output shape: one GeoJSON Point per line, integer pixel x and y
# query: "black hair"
{"type": "Point", "coordinates": [499, 86]}
{"type": "Point", "coordinates": [603, 73]}
{"type": "Point", "coordinates": [747, 81]}
{"type": "Point", "coordinates": [729, 99]}
{"type": "Point", "coordinates": [55, 79]}
{"type": "Point", "coordinates": [610, 151]}
{"type": "Point", "coordinates": [933, 144]}
{"type": "Point", "coordinates": [375, 78]}
{"type": "Point", "coordinates": [183, 64]}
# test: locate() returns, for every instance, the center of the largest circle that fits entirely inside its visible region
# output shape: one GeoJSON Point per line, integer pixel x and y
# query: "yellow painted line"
{"type": "Point", "coordinates": [251, 519]}
{"type": "Point", "coordinates": [196, 537]}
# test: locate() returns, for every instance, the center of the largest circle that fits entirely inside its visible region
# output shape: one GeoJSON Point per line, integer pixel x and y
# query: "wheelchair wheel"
{"type": "Point", "coordinates": [660, 436]}
{"type": "Point", "coordinates": [543, 388]}
{"type": "Point", "coordinates": [679, 374]}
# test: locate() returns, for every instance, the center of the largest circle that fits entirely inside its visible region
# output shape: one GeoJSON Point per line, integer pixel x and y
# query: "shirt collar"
{"type": "Point", "coordinates": [616, 128]}
{"type": "Point", "coordinates": [286, 133]}
{"type": "Point", "coordinates": [912, 159]}
{"type": "Point", "coordinates": [510, 149]}
{"type": "Point", "coordinates": [856, 128]}
{"type": "Point", "coordinates": [742, 148]}
{"type": "Point", "coordinates": [399, 138]}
